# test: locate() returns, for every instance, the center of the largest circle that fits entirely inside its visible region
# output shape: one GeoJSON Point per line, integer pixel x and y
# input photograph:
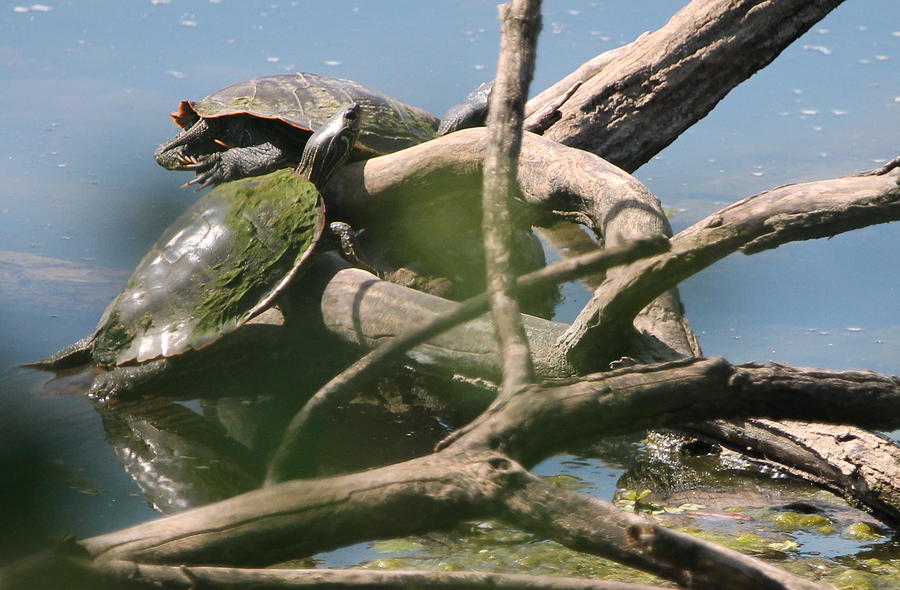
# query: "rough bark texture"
{"type": "Point", "coordinates": [189, 578]}
{"type": "Point", "coordinates": [850, 462]}
{"type": "Point", "coordinates": [676, 75]}
{"type": "Point", "coordinates": [520, 24]}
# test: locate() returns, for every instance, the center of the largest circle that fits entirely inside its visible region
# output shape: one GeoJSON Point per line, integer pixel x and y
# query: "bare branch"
{"type": "Point", "coordinates": [520, 24]}
{"type": "Point", "coordinates": [466, 480]}
{"type": "Point", "coordinates": [792, 212]}
{"type": "Point", "coordinates": [174, 578]}
{"type": "Point", "coordinates": [669, 79]}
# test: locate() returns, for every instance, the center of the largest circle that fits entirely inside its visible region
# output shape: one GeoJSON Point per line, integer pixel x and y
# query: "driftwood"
{"type": "Point", "coordinates": [636, 101]}
{"type": "Point", "coordinates": [469, 480]}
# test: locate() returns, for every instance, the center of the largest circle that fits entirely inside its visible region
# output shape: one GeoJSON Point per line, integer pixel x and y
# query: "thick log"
{"type": "Point", "coordinates": [669, 79]}
{"type": "Point", "coordinates": [189, 578]}
{"type": "Point", "coordinates": [304, 426]}
{"type": "Point", "coordinates": [308, 516]}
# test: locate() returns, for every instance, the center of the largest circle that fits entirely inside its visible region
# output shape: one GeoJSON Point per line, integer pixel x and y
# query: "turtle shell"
{"type": "Point", "coordinates": [223, 261]}
{"type": "Point", "coordinates": [306, 101]}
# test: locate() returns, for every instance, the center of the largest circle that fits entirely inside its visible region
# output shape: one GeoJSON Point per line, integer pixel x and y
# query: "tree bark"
{"type": "Point", "coordinates": [674, 76]}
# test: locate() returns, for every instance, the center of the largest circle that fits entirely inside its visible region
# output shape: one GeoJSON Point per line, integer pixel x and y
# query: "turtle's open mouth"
{"type": "Point", "coordinates": [187, 157]}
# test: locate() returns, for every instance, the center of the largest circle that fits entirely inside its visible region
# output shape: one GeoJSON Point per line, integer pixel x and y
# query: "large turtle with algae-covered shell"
{"type": "Point", "coordinates": [222, 262]}
{"type": "Point", "coordinates": [260, 125]}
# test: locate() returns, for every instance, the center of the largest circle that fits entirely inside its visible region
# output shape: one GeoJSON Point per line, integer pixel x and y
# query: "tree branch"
{"type": "Point", "coordinates": [520, 24]}
{"type": "Point", "coordinates": [792, 212]}
{"type": "Point", "coordinates": [669, 79]}
{"type": "Point", "coordinates": [188, 578]}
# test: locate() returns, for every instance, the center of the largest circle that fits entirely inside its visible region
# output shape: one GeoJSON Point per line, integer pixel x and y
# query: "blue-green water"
{"type": "Point", "coordinates": [86, 86]}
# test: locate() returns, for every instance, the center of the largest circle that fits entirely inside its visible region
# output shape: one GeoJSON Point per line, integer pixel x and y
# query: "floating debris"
{"type": "Point", "coordinates": [882, 57]}
{"type": "Point", "coordinates": [808, 112]}
{"type": "Point", "coordinates": [154, 2]}
{"type": "Point", "coordinates": [820, 48]}
{"type": "Point", "coordinates": [188, 23]}
{"type": "Point", "coordinates": [479, 67]}
{"type": "Point", "coordinates": [32, 8]}
{"type": "Point", "coordinates": [332, 62]}
{"type": "Point", "coordinates": [273, 59]}
{"type": "Point", "coordinates": [854, 329]}
{"type": "Point", "coordinates": [838, 112]}
{"type": "Point", "coordinates": [175, 74]}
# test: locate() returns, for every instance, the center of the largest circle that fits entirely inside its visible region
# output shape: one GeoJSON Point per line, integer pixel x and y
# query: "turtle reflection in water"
{"type": "Point", "coordinates": [257, 126]}
{"type": "Point", "coordinates": [224, 260]}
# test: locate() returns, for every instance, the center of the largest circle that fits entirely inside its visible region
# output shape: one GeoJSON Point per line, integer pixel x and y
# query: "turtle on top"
{"type": "Point", "coordinates": [260, 125]}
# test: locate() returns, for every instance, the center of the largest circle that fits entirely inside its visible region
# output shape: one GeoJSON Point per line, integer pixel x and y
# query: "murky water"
{"type": "Point", "coordinates": [86, 87]}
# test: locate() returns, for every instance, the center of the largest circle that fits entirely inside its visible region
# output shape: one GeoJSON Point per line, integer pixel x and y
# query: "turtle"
{"type": "Point", "coordinates": [222, 262]}
{"type": "Point", "coordinates": [256, 126]}
{"type": "Point", "coordinates": [471, 112]}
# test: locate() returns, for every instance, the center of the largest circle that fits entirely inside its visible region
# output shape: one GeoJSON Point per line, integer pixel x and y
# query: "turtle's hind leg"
{"type": "Point", "coordinates": [74, 355]}
{"type": "Point", "coordinates": [349, 245]}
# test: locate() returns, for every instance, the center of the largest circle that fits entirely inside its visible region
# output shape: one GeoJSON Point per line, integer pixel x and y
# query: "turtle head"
{"type": "Point", "coordinates": [329, 146]}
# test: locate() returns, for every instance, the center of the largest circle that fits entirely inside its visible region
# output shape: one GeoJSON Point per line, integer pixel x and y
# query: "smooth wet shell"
{"type": "Point", "coordinates": [220, 263]}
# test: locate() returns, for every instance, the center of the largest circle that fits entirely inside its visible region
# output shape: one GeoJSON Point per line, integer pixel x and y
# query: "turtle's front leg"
{"type": "Point", "coordinates": [349, 245]}
{"type": "Point", "coordinates": [235, 163]}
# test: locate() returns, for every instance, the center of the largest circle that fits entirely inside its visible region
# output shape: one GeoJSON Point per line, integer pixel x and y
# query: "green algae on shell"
{"type": "Point", "coordinates": [219, 264]}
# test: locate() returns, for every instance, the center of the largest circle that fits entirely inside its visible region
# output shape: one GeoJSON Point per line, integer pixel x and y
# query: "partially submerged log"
{"type": "Point", "coordinates": [469, 480]}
